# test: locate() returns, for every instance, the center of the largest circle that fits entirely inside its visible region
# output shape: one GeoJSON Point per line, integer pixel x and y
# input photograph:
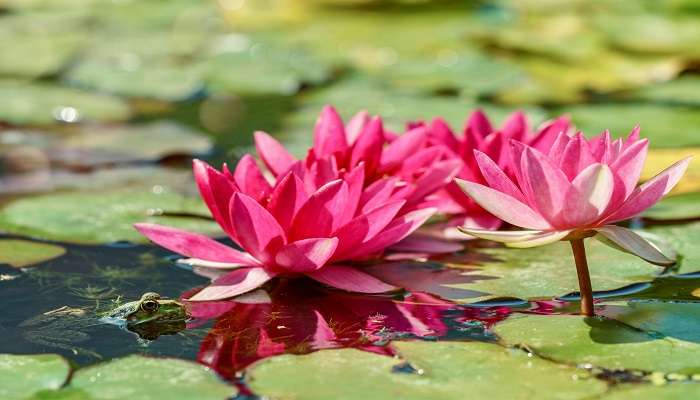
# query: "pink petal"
{"type": "Point", "coordinates": [318, 216]}
{"type": "Point", "coordinates": [545, 185]}
{"type": "Point", "coordinates": [258, 231]}
{"type": "Point", "coordinates": [441, 133]}
{"type": "Point", "coordinates": [403, 147]}
{"type": "Point", "coordinates": [548, 133]}
{"type": "Point", "coordinates": [540, 240]}
{"type": "Point", "coordinates": [286, 199]}
{"type": "Point", "coordinates": [577, 156]}
{"type": "Point", "coordinates": [633, 136]}
{"type": "Point", "coordinates": [628, 166]}
{"type": "Point", "coordinates": [273, 154]}
{"type": "Point", "coordinates": [589, 195]}
{"type": "Point", "coordinates": [504, 206]}
{"type": "Point", "coordinates": [377, 194]}
{"type": "Point", "coordinates": [200, 263]}
{"type": "Point", "coordinates": [394, 232]}
{"type": "Point", "coordinates": [515, 126]}
{"type": "Point", "coordinates": [556, 151]}
{"type": "Point", "coordinates": [496, 178]}
{"type": "Point", "coordinates": [501, 236]}
{"type": "Point", "coordinates": [478, 126]}
{"type": "Point", "coordinates": [324, 337]}
{"type": "Point", "coordinates": [193, 244]}
{"type": "Point", "coordinates": [628, 241]}
{"type": "Point", "coordinates": [322, 171]}
{"type": "Point", "coordinates": [236, 282]}
{"type": "Point", "coordinates": [356, 125]}
{"type": "Point", "coordinates": [433, 179]}
{"type": "Point", "coordinates": [350, 279]}
{"type": "Point", "coordinates": [650, 192]}
{"type": "Point", "coordinates": [306, 255]}
{"type": "Point", "coordinates": [420, 160]}
{"type": "Point", "coordinates": [365, 227]}
{"type": "Point", "coordinates": [211, 182]}
{"type": "Point", "coordinates": [250, 180]}
{"type": "Point", "coordinates": [356, 183]}
{"type": "Point", "coordinates": [368, 147]}
{"type": "Point", "coordinates": [329, 133]}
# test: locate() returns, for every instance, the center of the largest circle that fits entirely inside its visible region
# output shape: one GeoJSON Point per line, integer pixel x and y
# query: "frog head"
{"type": "Point", "coordinates": [150, 316]}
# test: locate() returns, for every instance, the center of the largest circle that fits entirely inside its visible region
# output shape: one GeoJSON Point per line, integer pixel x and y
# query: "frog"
{"type": "Point", "coordinates": [65, 327]}
{"type": "Point", "coordinates": [150, 317]}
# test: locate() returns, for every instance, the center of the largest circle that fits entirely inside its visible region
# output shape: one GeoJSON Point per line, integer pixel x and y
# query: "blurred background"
{"type": "Point", "coordinates": [98, 95]}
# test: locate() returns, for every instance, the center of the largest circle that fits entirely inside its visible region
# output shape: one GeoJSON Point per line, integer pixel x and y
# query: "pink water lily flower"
{"type": "Point", "coordinates": [480, 134]}
{"type": "Point", "coordinates": [287, 228]}
{"type": "Point", "coordinates": [409, 159]}
{"type": "Point", "coordinates": [579, 188]}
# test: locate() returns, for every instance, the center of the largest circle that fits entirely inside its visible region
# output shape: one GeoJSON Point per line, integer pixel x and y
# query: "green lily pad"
{"type": "Point", "coordinates": [664, 126]}
{"type": "Point", "coordinates": [41, 104]}
{"type": "Point", "coordinates": [23, 375]}
{"type": "Point", "coordinates": [652, 33]}
{"type": "Point", "coordinates": [23, 253]}
{"type": "Point", "coordinates": [443, 371]}
{"type": "Point", "coordinates": [682, 206]}
{"type": "Point", "coordinates": [601, 342]}
{"type": "Point", "coordinates": [36, 56]}
{"type": "Point", "coordinates": [550, 271]}
{"type": "Point", "coordinates": [682, 91]}
{"type": "Point", "coordinates": [137, 377]}
{"type": "Point", "coordinates": [136, 142]}
{"type": "Point", "coordinates": [673, 319]}
{"type": "Point", "coordinates": [99, 217]}
{"type": "Point", "coordinates": [63, 394]}
{"type": "Point", "coordinates": [673, 391]}
{"type": "Point", "coordinates": [684, 239]}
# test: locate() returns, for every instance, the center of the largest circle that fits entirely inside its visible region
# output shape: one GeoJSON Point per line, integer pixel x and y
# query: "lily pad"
{"type": "Point", "coordinates": [550, 271]}
{"type": "Point", "coordinates": [136, 142]}
{"type": "Point", "coordinates": [23, 253]}
{"type": "Point", "coordinates": [23, 375]}
{"type": "Point", "coordinates": [137, 377]}
{"type": "Point", "coordinates": [41, 104]}
{"type": "Point", "coordinates": [86, 217]}
{"type": "Point", "coordinates": [682, 91]}
{"type": "Point", "coordinates": [601, 342]}
{"type": "Point", "coordinates": [431, 370]}
{"type": "Point", "coordinates": [673, 319]}
{"type": "Point", "coordinates": [684, 239]}
{"type": "Point", "coordinates": [673, 391]}
{"type": "Point", "coordinates": [678, 207]}
{"type": "Point", "coordinates": [664, 126]}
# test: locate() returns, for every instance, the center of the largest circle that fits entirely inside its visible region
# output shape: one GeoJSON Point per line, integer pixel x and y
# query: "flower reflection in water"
{"type": "Point", "coordinates": [299, 319]}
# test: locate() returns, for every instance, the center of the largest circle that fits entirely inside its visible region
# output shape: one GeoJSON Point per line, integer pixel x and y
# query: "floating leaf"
{"type": "Point", "coordinates": [431, 370]}
{"type": "Point", "coordinates": [672, 391]}
{"type": "Point", "coordinates": [601, 342]}
{"type": "Point", "coordinates": [652, 33]}
{"type": "Point", "coordinates": [664, 126]}
{"type": "Point", "coordinates": [137, 377]}
{"type": "Point", "coordinates": [41, 104]}
{"type": "Point", "coordinates": [86, 217]}
{"type": "Point", "coordinates": [21, 376]}
{"type": "Point", "coordinates": [23, 253]}
{"type": "Point", "coordinates": [678, 207]}
{"type": "Point", "coordinates": [682, 91]}
{"type": "Point", "coordinates": [672, 319]}
{"type": "Point", "coordinates": [684, 239]}
{"type": "Point", "coordinates": [550, 271]}
{"type": "Point", "coordinates": [659, 159]}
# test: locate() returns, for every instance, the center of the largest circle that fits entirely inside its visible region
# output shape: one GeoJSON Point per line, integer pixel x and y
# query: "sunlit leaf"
{"type": "Point", "coordinates": [21, 376]}
{"type": "Point", "coordinates": [428, 370]}
{"type": "Point", "coordinates": [23, 253]}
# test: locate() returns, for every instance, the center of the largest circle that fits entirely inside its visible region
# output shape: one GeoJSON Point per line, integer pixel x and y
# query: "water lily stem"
{"type": "Point", "coordinates": [584, 278]}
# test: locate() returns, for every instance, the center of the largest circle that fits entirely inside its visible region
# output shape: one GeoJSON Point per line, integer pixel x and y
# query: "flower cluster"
{"type": "Point", "coordinates": [361, 189]}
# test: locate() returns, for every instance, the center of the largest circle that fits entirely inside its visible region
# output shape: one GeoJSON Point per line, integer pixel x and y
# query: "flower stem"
{"type": "Point", "coordinates": [584, 279]}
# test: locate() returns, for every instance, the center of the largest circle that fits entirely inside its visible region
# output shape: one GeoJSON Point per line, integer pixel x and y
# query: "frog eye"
{"type": "Point", "coordinates": [150, 306]}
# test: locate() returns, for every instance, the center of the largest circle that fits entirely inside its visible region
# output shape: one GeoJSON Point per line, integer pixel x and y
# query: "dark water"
{"type": "Point", "coordinates": [296, 318]}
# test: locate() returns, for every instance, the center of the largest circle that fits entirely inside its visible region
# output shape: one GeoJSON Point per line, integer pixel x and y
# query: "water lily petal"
{"type": "Point", "coordinates": [478, 126]}
{"type": "Point", "coordinates": [259, 232]}
{"type": "Point", "coordinates": [401, 148]}
{"type": "Point", "coordinates": [515, 127]}
{"type": "Point", "coordinates": [368, 146]}
{"type": "Point", "coordinates": [365, 227]}
{"type": "Point", "coordinates": [628, 166]}
{"type": "Point", "coordinates": [250, 180]}
{"type": "Point", "coordinates": [545, 185]}
{"type": "Point", "coordinates": [577, 156]}
{"type": "Point", "coordinates": [193, 244]}
{"type": "Point", "coordinates": [650, 192]}
{"type": "Point", "coordinates": [286, 199]}
{"type": "Point", "coordinates": [589, 195]}
{"type": "Point", "coordinates": [356, 125]}
{"type": "Point", "coordinates": [377, 194]}
{"type": "Point", "coordinates": [630, 242]}
{"type": "Point", "coordinates": [350, 279]}
{"type": "Point", "coordinates": [306, 255]}
{"type": "Point", "coordinates": [210, 181]}
{"type": "Point", "coordinates": [276, 158]}
{"type": "Point", "coordinates": [441, 133]}
{"type": "Point", "coordinates": [318, 216]}
{"type": "Point", "coordinates": [501, 236]}
{"type": "Point", "coordinates": [198, 262]}
{"type": "Point", "coordinates": [540, 240]}
{"type": "Point", "coordinates": [329, 133]}
{"type": "Point", "coordinates": [234, 283]}
{"type": "Point", "coordinates": [504, 206]}
{"type": "Point", "coordinates": [496, 178]}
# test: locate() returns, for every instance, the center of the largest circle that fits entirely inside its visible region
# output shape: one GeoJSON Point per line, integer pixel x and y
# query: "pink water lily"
{"type": "Point", "coordinates": [578, 188]}
{"type": "Point", "coordinates": [415, 165]}
{"type": "Point", "coordinates": [287, 228]}
{"type": "Point", "coordinates": [480, 134]}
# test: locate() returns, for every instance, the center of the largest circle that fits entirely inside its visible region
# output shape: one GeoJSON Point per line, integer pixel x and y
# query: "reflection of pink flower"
{"type": "Point", "coordinates": [479, 134]}
{"type": "Point", "coordinates": [579, 188]}
{"type": "Point", "coordinates": [300, 320]}
{"type": "Point", "coordinates": [316, 215]}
